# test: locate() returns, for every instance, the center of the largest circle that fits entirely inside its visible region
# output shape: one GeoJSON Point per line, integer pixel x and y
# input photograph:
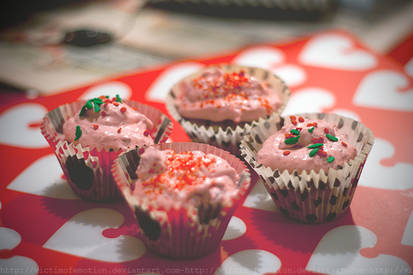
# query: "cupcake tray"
{"type": "Point", "coordinates": [46, 228]}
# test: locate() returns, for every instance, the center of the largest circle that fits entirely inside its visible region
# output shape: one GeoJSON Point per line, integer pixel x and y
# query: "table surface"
{"type": "Point", "coordinates": [45, 228]}
{"type": "Point", "coordinates": [151, 37]}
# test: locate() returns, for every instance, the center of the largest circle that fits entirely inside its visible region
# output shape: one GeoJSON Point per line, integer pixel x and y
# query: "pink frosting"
{"type": "Point", "coordinates": [188, 177]}
{"type": "Point", "coordinates": [276, 154]}
{"type": "Point", "coordinates": [218, 96]}
{"type": "Point", "coordinates": [115, 126]}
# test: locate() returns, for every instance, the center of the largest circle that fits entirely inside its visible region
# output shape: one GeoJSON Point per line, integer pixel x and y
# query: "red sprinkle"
{"type": "Point", "coordinates": [344, 144]}
{"type": "Point", "coordinates": [289, 135]}
{"type": "Point", "coordinates": [322, 153]}
{"type": "Point", "coordinates": [299, 129]}
{"type": "Point", "coordinates": [141, 150]}
{"type": "Point", "coordinates": [95, 126]}
{"type": "Point", "coordinates": [119, 130]}
{"type": "Point", "coordinates": [103, 113]}
{"type": "Point", "coordinates": [318, 140]}
{"type": "Point", "coordinates": [115, 103]}
{"type": "Point", "coordinates": [313, 124]}
{"type": "Point", "coordinates": [300, 119]}
{"type": "Point", "coordinates": [286, 153]}
{"type": "Point", "coordinates": [123, 109]}
{"type": "Point", "coordinates": [146, 133]}
{"type": "Point", "coordinates": [326, 130]}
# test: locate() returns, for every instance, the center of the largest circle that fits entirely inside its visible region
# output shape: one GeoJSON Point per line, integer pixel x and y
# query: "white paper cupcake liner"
{"type": "Point", "coordinates": [227, 138]}
{"type": "Point", "coordinates": [88, 169]}
{"type": "Point", "coordinates": [179, 231]}
{"type": "Point", "coordinates": [309, 196]}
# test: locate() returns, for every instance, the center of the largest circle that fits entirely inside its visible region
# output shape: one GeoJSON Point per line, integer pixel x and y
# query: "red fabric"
{"type": "Point", "coordinates": [345, 77]}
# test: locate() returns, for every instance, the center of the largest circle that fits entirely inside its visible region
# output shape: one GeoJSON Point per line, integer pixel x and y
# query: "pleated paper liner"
{"type": "Point", "coordinates": [227, 137]}
{"type": "Point", "coordinates": [86, 168]}
{"type": "Point", "coordinates": [309, 196]}
{"type": "Point", "coordinates": [182, 230]}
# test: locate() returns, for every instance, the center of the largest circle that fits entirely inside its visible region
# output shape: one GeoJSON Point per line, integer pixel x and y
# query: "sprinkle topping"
{"type": "Point", "coordinates": [184, 168]}
{"type": "Point", "coordinates": [292, 140]}
{"type": "Point", "coordinates": [331, 137]}
{"type": "Point", "coordinates": [229, 87]}
{"type": "Point", "coordinates": [78, 132]}
{"type": "Point", "coordinates": [314, 152]}
{"type": "Point", "coordinates": [95, 104]}
{"type": "Point", "coordinates": [330, 159]}
{"type": "Point", "coordinates": [316, 145]}
{"type": "Point", "coordinates": [295, 132]}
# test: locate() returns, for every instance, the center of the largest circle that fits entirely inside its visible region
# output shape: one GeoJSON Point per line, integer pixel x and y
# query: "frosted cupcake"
{"type": "Point", "coordinates": [182, 194]}
{"type": "Point", "coordinates": [218, 104]}
{"type": "Point", "coordinates": [310, 164]}
{"type": "Point", "coordinates": [87, 136]}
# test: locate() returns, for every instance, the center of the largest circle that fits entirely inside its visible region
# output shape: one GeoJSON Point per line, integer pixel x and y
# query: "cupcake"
{"type": "Point", "coordinates": [86, 137]}
{"type": "Point", "coordinates": [183, 195]}
{"type": "Point", "coordinates": [218, 104]}
{"type": "Point", "coordinates": [310, 164]}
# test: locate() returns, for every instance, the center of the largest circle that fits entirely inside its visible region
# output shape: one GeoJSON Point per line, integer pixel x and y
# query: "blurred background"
{"type": "Point", "coordinates": [47, 47]}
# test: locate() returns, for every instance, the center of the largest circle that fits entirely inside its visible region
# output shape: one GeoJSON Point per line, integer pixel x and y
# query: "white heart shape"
{"type": "Point", "coordinates": [82, 236]}
{"type": "Point", "coordinates": [397, 177]}
{"type": "Point", "coordinates": [270, 59]}
{"type": "Point", "coordinates": [409, 67]}
{"type": "Point", "coordinates": [379, 89]}
{"type": "Point", "coordinates": [19, 265]}
{"type": "Point", "coordinates": [9, 238]}
{"type": "Point", "coordinates": [260, 199]}
{"type": "Point", "coordinates": [347, 113]}
{"type": "Point", "coordinates": [407, 238]}
{"type": "Point", "coordinates": [111, 89]}
{"type": "Point", "coordinates": [337, 52]}
{"type": "Point", "coordinates": [338, 252]}
{"type": "Point", "coordinates": [309, 100]}
{"type": "Point", "coordinates": [251, 262]}
{"type": "Point", "coordinates": [163, 84]}
{"type": "Point", "coordinates": [14, 126]}
{"type": "Point", "coordinates": [291, 74]}
{"type": "Point", "coordinates": [44, 178]}
{"type": "Point", "coordinates": [262, 57]}
{"type": "Point", "coordinates": [236, 228]}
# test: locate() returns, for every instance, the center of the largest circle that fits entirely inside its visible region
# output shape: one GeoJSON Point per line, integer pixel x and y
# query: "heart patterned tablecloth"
{"type": "Point", "coordinates": [46, 228]}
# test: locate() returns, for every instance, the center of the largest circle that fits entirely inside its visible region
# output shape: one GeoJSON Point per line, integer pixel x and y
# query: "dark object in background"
{"type": "Point", "coordinates": [86, 38]}
{"type": "Point", "coordinates": [17, 11]}
{"type": "Point", "coordinates": [307, 10]}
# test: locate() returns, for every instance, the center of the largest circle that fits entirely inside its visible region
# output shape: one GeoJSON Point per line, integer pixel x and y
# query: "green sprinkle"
{"type": "Point", "coordinates": [314, 151]}
{"type": "Point", "coordinates": [315, 145]}
{"type": "Point", "coordinates": [331, 137]}
{"type": "Point", "coordinates": [78, 132]}
{"type": "Point", "coordinates": [295, 132]}
{"type": "Point", "coordinates": [118, 99]}
{"type": "Point", "coordinates": [330, 159]}
{"type": "Point", "coordinates": [97, 108]}
{"type": "Point", "coordinates": [107, 96]}
{"type": "Point", "coordinates": [82, 111]}
{"type": "Point", "coordinates": [89, 104]}
{"type": "Point", "coordinates": [97, 101]}
{"type": "Point", "coordinates": [311, 130]}
{"type": "Point", "coordinates": [292, 140]}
